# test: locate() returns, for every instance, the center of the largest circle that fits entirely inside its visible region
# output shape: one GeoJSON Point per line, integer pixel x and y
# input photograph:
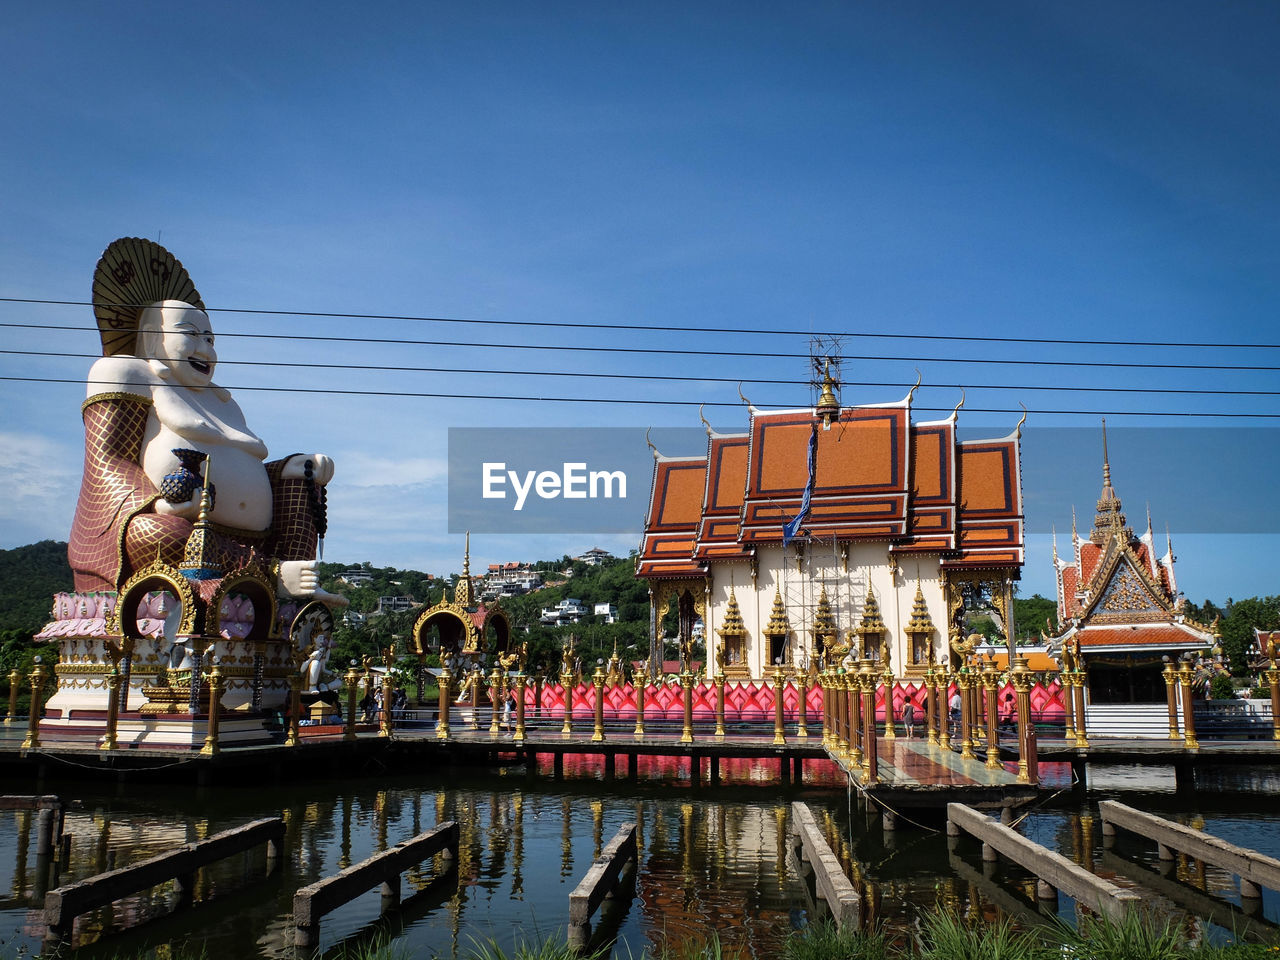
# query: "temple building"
{"type": "Point", "coordinates": [830, 532]}
{"type": "Point", "coordinates": [1119, 609]}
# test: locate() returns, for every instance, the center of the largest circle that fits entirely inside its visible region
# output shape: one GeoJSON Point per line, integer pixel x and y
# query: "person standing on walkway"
{"type": "Point", "coordinates": [909, 716]}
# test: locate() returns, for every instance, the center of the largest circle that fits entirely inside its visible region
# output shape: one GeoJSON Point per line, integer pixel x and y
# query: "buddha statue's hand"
{"type": "Point", "coordinates": [321, 467]}
{"type": "Point", "coordinates": [190, 510]}
{"type": "Point", "coordinates": [300, 580]}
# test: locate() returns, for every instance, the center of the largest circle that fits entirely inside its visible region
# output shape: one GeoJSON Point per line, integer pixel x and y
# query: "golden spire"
{"type": "Point", "coordinates": [1109, 517]}
{"type": "Point", "coordinates": [196, 562]}
{"type": "Point", "coordinates": [828, 407]}
{"type": "Point", "coordinates": [824, 621]}
{"type": "Point", "coordinates": [462, 589]}
{"type": "Point", "coordinates": [872, 622]}
{"type": "Point", "coordinates": [778, 625]}
{"type": "Point", "coordinates": [732, 625]}
{"type": "Point", "coordinates": [921, 622]}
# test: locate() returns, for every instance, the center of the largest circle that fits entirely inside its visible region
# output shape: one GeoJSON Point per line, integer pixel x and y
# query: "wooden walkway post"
{"type": "Point", "coordinates": [314, 901]}
{"type": "Point", "coordinates": [1050, 866]}
{"type": "Point", "coordinates": [1254, 869]}
{"type": "Point", "coordinates": [829, 877]}
{"type": "Point", "coordinates": [602, 881]}
{"type": "Point", "coordinates": [63, 905]}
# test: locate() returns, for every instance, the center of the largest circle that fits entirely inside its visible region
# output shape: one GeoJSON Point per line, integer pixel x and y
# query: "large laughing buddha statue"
{"type": "Point", "coordinates": [152, 394]}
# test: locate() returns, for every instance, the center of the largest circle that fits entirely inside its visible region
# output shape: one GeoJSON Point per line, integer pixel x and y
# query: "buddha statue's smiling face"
{"type": "Point", "coordinates": [179, 336]}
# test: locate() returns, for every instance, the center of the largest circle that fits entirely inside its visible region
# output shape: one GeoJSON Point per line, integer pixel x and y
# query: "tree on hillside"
{"type": "Point", "coordinates": [1242, 616]}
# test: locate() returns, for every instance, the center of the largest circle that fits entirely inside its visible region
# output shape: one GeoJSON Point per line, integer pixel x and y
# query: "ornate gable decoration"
{"type": "Point", "coordinates": [1126, 592]}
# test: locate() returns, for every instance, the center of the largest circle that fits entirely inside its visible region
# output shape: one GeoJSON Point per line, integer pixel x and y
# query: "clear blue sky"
{"type": "Point", "coordinates": [1090, 171]}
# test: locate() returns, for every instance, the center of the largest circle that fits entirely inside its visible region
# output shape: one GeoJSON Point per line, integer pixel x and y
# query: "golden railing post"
{"type": "Point", "coordinates": [853, 715]}
{"type": "Point", "coordinates": [113, 708]}
{"type": "Point", "coordinates": [1186, 676]}
{"type": "Point", "coordinates": [686, 683]}
{"type": "Point", "coordinates": [1170, 675]}
{"type": "Point", "coordinates": [930, 705]}
{"type": "Point", "coordinates": [210, 747]}
{"type": "Point", "coordinates": [352, 679]}
{"type": "Point", "coordinates": [495, 701]}
{"type": "Point", "coordinates": [597, 681]}
{"type": "Point", "coordinates": [1021, 678]}
{"type": "Point", "coordinates": [991, 683]}
{"type": "Point", "coordinates": [295, 707]}
{"type": "Point", "coordinates": [779, 689]}
{"type": "Point", "coordinates": [388, 719]}
{"type": "Point", "coordinates": [640, 683]}
{"type": "Point", "coordinates": [720, 682]}
{"type": "Point", "coordinates": [477, 678]}
{"type": "Point", "coordinates": [567, 683]}
{"type": "Point", "coordinates": [1068, 705]}
{"type": "Point", "coordinates": [32, 740]}
{"type": "Point", "coordinates": [944, 707]}
{"type": "Point", "coordinates": [1273, 681]}
{"type": "Point", "coordinates": [802, 717]}
{"type": "Point", "coordinates": [1082, 734]}
{"type": "Point", "coordinates": [887, 682]}
{"type": "Point", "coordinates": [521, 680]}
{"type": "Point", "coordinates": [15, 678]}
{"type": "Point", "coordinates": [870, 742]}
{"type": "Point", "coordinates": [965, 681]}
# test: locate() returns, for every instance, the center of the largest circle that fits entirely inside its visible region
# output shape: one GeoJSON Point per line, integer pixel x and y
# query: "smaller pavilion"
{"type": "Point", "coordinates": [465, 627]}
{"type": "Point", "coordinates": [1119, 609]}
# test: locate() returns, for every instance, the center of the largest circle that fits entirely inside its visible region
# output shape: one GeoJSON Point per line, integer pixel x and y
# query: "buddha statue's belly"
{"type": "Point", "coordinates": [243, 495]}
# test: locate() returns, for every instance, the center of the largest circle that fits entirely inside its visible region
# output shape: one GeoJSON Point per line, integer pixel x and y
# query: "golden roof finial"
{"type": "Point", "coordinates": [912, 392]}
{"type": "Point", "coordinates": [958, 405]}
{"type": "Point", "coordinates": [1106, 462]}
{"type": "Point", "coordinates": [462, 589]}
{"type": "Point", "coordinates": [704, 420]}
{"type": "Point", "coordinates": [828, 406]}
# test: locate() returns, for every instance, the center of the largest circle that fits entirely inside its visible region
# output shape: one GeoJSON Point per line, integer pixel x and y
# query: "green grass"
{"type": "Point", "coordinates": [945, 936]}
{"type": "Point", "coordinates": [822, 941]}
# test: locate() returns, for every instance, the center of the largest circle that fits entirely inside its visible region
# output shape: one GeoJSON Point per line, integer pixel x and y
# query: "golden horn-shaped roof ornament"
{"type": "Point", "coordinates": [828, 406]}
{"type": "Point", "coordinates": [912, 392]}
{"type": "Point", "coordinates": [652, 448]}
{"type": "Point", "coordinates": [960, 404]}
{"type": "Point", "coordinates": [704, 420]}
{"type": "Point", "coordinates": [1017, 431]}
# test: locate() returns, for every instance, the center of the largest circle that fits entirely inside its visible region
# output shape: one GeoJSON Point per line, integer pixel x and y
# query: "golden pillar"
{"type": "Point", "coordinates": [802, 723]}
{"type": "Point", "coordinates": [211, 747]}
{"type": "Point", "coordinates": [720, 682]}
{"type": "Point", "coordinates": [352, 679]}
{"type": "Point", "coordinates": [944, 708]}
{"type": "Point", "coordinates": [495, 701]}
{"type": "Point", "coordinates": [1068, 705]}
{"type": "Point", "coordinates": [521, 680]}
{"type": "Point", "coordinates": [597, 681]}
{"type": "Point", "coordinates": [32, 740]}
{"type": "Point", "coordinates": [567, 684]}
{"type": "Point", "coordinates": [887, 681]}
{"type": "Point", "coordinates": [854, 727]}
{"type": "Point", "coordinates": [965, 680]}
{"type": "Point", "coordinates": [295, 707]}
{"type": "Point", "coordinates": [1186, 676]}
{"type": "Point", "coordinates": [387, 724]}
{"type": "Point", "coordinates": [113, 708]}
{"type": "Point", "coordinates": [1021, 678]}
{"type": "Point", "coordinates": [930, 705]}
{"type": "Point", "coordinates": [686, 684]}
{"type": "Point", "coordinates": [14, 679]}
{"type": "Point", "coordinates": [640, 681]}
{"type": "Point", "coordinates": [779, 689]}
{"type": "Point", "coordinates": [1078, 682]}
{"type": "Point", "coordinates": [1170, 675]}
{"type": "Point", "coordinates": [1272, 677]}
{"type": "Point", "coordinates": [990, 683]}
{"type": "Point", "coordinates": [870, 746]}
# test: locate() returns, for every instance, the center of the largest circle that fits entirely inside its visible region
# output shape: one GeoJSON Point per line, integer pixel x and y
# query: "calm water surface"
{"type": "Point", "coordinates": [710, 859]}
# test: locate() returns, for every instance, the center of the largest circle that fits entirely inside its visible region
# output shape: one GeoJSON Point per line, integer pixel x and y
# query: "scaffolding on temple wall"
{"type": "Point", "coordinates": [819, 565]}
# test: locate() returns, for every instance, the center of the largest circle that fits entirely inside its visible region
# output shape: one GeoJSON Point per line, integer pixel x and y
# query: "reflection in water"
{"type": "Point", "coordinates": [712, 859]}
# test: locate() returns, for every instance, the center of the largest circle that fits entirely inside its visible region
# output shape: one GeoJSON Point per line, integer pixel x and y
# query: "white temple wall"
{"type": "Point", "coordinates": [801, 583]}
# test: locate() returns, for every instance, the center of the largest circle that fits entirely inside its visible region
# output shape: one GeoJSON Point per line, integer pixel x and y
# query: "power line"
{"type": "Point", "coordinates": [661, 328]}
{"type": "Point", "coordinates": [382, 368]}
{"type": "Point", "coordinates": [617, 401]}
{"type": "Point", "coordinates": [658, 351]}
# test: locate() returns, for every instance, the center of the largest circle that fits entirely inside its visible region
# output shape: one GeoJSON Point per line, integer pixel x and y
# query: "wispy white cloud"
{"type": "Point", "coordinates": [40, 480]}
